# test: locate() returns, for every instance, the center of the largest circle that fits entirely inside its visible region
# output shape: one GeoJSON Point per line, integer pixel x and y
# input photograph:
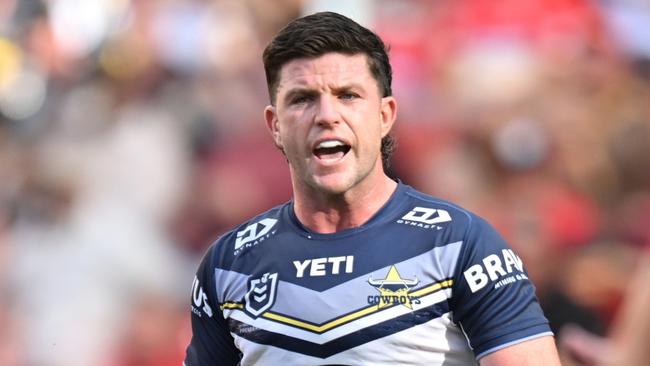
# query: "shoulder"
{"type": "Point", "coordinates": [245, 236]}
{"type": "Point", "coordinates": [427, 209]}
{"type": "Point", "coordinates": [430, 208]}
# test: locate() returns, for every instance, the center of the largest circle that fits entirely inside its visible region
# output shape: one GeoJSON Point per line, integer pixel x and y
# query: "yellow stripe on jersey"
{"type": "Point", "coordinates": [231, 305]}
{"type": "Point", "coordinates": [350, 317]}
{"type": "Point", "coordinates": [432, 288]}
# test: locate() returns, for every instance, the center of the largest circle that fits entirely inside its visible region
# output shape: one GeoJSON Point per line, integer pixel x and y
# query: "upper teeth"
{"type": "Point", "coordinates": [329, 143]}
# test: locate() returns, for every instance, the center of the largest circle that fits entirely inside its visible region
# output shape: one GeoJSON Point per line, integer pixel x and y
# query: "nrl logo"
{"type": "Point", "coordinates": [261, 294]}
{"type": "Point", "coordinates": [393, 290]}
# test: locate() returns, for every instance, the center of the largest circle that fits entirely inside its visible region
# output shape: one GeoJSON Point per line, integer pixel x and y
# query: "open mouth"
{"type": "Point", "coordinates": [331, 150]}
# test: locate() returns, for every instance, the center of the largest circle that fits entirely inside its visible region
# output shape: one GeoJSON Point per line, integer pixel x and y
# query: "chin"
{"type": "Point", "coordinates": [332, 185]}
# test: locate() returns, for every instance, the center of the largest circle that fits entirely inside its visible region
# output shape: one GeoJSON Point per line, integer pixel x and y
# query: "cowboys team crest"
{"type": "Point", "coordinates": [393, 290]}
{"type": "Point", "coordinates": [261, 294]}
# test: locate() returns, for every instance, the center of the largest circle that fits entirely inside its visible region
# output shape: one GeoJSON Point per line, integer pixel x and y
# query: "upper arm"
{"type": "Point", "coordinates": [211, 342]}
{"type": "Point", "coordinates": [535, 352]}
{"type": "Point", "coordinates": [493, 300]}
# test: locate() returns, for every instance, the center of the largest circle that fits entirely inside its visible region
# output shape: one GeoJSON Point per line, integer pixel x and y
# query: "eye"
{"type": "Point", "coordinates": [301, 99]}
{"type": "Point", "coordinates": [348, 96]}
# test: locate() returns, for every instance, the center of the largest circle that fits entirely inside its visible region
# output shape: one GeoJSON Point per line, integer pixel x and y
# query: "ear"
{"type": "Point", "coordinates": [387, 114]}
{"type": "Point", "coordinates": [271, 118]}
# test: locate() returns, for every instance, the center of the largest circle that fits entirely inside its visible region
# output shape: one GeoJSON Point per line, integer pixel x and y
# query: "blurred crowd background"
{"type": "Point", "coordinates": [132, 135]}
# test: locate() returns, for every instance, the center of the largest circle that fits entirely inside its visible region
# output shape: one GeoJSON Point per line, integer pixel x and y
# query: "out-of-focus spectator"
{"type": "Point", "coordinates": [152, 336]}
{"type": "Point", "coordinates": [627, 343]}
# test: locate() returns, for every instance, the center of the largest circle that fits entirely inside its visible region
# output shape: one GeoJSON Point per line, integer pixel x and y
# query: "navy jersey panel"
{"type": "Point", "coordinates": [394, 290]}
{"type": "Point", "coordinates": [494, 300]}
{"type": "Point", "coordinates": [211, 342]}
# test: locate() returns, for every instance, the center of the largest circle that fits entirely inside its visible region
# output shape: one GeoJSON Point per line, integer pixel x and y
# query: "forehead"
{"type": "Point", "coordinates": [329, 68]}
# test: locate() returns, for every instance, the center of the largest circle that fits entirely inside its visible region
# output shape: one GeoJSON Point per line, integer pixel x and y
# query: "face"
{"type": "Point", "coordinates": [329, 120]}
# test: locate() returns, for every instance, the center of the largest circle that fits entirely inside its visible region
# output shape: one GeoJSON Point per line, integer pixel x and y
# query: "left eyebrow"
{"type": "Point", "coordinates": [347, 87]}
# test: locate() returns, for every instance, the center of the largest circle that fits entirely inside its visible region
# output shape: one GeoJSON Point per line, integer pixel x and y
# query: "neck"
{"type": "Point", "coordinates": [329, 213]}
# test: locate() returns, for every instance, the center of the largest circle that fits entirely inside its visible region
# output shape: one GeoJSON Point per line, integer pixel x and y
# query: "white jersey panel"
{"type": "Point", "coordinates": [436, 343]}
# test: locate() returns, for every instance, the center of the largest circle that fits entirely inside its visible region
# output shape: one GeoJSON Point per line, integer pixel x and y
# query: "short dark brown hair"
{"type": "Point", "coordinates": [320, 33]}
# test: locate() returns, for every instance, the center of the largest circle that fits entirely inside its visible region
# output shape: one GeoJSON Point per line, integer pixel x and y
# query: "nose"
{"type": "Point", "coordinates": [327, 113]}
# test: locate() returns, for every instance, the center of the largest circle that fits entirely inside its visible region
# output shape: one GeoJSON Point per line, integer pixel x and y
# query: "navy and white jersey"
{"type": "Point", "coordinates": [423, 282]}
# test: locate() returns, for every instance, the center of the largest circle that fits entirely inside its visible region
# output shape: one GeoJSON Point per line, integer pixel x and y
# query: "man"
{"type": "Point", "coordinates": [357, 269]}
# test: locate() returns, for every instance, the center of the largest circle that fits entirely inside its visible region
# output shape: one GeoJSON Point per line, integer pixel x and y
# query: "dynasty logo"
{"type": "Point", "coordinates": [425, 218]}
{"type": "Point", "coordinates": [254, 234]}
{"type": "Point", "coordinates": [393, 290]}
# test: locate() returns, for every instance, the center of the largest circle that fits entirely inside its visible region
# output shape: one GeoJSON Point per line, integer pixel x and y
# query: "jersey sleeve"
{"type": "Point", "coordinates": [211, 342]}
{"type": "Point", "coordinates": [493, 299]}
